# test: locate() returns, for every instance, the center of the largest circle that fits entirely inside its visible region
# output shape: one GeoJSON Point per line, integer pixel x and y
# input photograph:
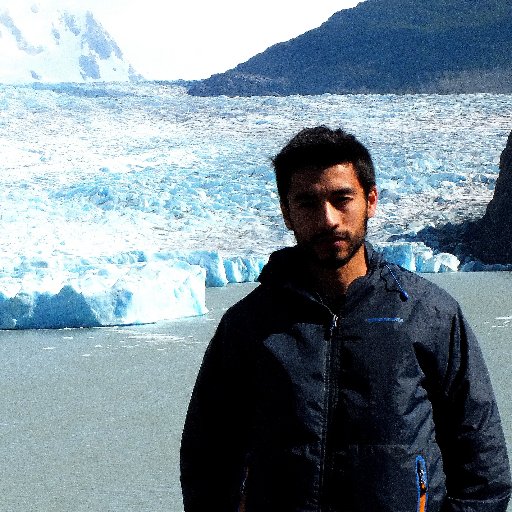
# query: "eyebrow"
{"type": "Point", "coordinates": [345, 191]}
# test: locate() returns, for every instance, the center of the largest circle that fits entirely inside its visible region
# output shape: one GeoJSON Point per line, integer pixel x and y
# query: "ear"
{"type": "Point", "coordinates": [285, 210]}
{"type": "Point", "coordinates": [372, 202]}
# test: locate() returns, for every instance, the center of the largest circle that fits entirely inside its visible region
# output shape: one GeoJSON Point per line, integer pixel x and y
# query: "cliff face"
{"type": "Point", "coordinates": [493, 240]}
{"type": "Point", "coordinates": [385, 46]}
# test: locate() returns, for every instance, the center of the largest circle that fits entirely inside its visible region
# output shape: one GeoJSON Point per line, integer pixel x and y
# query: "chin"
{"type": "Point", "coordinates": [336, 259]}
{"type": "Point", "coordinates": [334, 263]}
{"type": "Point", "coordinates": [332, 260]}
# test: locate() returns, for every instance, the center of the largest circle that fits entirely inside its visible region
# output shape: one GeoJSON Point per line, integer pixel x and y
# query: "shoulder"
{"type": "Point", "coordinates": [252, 303]}
{"type": "Point", "coordinates": [421, 289]}
{"type": "Point", "coordinates": [416, 288]}
{"type": "Point", "coordinates": [253, 311]}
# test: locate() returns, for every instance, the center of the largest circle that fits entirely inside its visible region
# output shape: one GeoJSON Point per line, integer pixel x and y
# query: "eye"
{"type": "Point", "coordinates": [306, 202]}
{"type": "Point", "coordinates": [341, 201]}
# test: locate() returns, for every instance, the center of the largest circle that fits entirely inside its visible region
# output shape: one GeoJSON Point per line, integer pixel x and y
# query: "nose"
{"type": "Point", "coordinates": [328, 216]}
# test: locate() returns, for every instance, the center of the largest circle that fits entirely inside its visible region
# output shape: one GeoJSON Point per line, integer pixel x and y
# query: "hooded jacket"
{"type": "Point", "coordinates": [383, 405]}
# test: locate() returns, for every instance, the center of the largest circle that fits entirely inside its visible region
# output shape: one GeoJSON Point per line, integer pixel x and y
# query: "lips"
{"type": "Point", "coordinates": [330, 239]}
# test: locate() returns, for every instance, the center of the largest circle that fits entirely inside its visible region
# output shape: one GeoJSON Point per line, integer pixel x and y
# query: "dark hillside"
{"type": "Point", "coordinates": [385, 46]}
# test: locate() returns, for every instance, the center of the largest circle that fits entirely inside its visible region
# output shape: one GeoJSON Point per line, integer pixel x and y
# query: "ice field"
{"type": "Point", "coordinates": [120, 202]}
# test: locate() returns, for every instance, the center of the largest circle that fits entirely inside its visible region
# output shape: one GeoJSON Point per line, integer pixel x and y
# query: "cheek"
{"type": "Point", "coordinates": [301, 223]}
{"type": "Point", "coordinates": [357, 213]}
{"type": "Point", "coordinates": [298, 222]}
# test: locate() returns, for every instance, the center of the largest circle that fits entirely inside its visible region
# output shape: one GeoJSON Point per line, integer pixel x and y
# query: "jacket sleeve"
{"type": "Point", "coordinates": [469, 430]}
{"type": "Point", "coordinates": [212, 451]}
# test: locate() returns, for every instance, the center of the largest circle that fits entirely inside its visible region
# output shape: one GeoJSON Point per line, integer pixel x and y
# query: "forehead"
{"type": "Point", "coordinates": [335, 178]}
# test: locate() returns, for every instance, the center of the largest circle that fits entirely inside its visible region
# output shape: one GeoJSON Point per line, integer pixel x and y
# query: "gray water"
{"type": "Point", "coordinates": [91, 418]}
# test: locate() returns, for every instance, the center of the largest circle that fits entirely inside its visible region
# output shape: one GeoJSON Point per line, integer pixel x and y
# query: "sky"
{"type": "Point", "coordinates": [193, 39]}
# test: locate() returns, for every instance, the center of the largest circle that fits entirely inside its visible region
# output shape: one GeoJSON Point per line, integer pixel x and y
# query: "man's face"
{"type": "Point", "coordinates": [328, 212]}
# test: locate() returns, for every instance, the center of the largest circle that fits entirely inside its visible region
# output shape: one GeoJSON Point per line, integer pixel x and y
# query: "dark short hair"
{"type": "Point", "coordinates": [316, 149]}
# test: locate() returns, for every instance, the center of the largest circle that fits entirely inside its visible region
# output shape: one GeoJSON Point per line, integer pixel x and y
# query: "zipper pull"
{"type": "Point", "coordinates": [422, 477]}
{"type": "Point", "coordinates": [333, 326]}
{"type": "Point", "coordinates": [421, 470]}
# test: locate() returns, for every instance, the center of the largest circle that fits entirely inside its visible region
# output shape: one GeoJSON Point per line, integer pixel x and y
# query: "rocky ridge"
{"type": "Point", "coordinates": [385, 46]}
{"type": "Point", "coordinates": [484, 241]}
{"type": "Point", "coordinates": [493, 233]}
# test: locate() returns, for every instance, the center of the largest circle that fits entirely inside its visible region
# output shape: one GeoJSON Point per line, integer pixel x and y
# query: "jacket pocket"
{"type": "Point", "coordinates": [421, 483]}
{"type": "Point", "coordinates": [387, 478]}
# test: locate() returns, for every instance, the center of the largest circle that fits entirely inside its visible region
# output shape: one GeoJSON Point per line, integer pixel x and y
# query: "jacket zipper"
{"type": "Point", "coordinates": [422, 482]}
{"type": "Point", "coordinates": [328, 403]}
{"type": "Point", "coordinates": [243, 490]}
{"type": "Point", "coordinates": [333, 326]}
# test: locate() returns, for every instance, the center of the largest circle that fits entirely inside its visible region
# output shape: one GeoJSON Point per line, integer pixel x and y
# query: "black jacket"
{"type": "Point", "coordinates": [385, 405]}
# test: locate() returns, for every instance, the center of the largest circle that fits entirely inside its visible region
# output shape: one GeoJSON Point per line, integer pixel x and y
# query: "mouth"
{"type": "Point", "coordinates": [331, 241]}
{"type": "Point", "coordinates": [331, 237]}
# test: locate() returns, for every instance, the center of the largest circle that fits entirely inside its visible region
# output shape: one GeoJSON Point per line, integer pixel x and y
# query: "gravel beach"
{"type": "Point", "coordinates": [91, 418]}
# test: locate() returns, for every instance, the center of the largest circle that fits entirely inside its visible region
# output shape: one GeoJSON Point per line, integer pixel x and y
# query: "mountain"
{"type": "Point", "coordinates": [385, 46]}
{"type": "Point", "coordinates": [47, 45]}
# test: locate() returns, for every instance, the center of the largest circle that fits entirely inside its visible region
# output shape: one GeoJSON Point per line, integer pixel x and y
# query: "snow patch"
{"type": "Point", "coordinates": [45, 43]}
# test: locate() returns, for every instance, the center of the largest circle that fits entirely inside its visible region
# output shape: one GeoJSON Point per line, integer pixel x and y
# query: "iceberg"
{"type": "Point", "coordinates": [441, 262]}
{"type": "Point", "coordinates": [102, 296]}
{"type": "Point", "coordinates": [137, 287]}
{"type": "Point", "coordinates": [220, 270]}
{"type": "Point", "coordinates": [417, 257]}
{"type": "Point", "coordinates": [240, 269]}
{"type": "Point", "coordinates": [128, 288]}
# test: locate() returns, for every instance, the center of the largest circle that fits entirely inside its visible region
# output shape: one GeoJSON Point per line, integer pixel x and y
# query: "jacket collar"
{"type": "Point", "coordinates": [288, 268]}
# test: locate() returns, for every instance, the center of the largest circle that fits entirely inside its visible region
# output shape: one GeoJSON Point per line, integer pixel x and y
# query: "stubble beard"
{"type": "Point", "coordinates": [336, 258]}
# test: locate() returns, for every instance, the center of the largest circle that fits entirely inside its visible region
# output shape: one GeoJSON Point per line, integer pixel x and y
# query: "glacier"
{"type": "Point", "coordinates": [40, 43]}
{"type": "Point", "coordinates": [121, 202]}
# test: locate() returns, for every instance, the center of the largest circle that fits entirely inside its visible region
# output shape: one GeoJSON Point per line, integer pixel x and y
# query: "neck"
{"type": "Point", "coordinates": [333, 283]}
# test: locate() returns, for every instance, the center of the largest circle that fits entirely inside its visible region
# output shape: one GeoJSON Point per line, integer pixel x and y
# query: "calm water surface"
{"type": "Point", "coordinates": [91, 419]}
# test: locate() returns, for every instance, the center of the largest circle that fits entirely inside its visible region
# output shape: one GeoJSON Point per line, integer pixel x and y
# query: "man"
{"type": "Point", "coordinates": [342, 383]}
